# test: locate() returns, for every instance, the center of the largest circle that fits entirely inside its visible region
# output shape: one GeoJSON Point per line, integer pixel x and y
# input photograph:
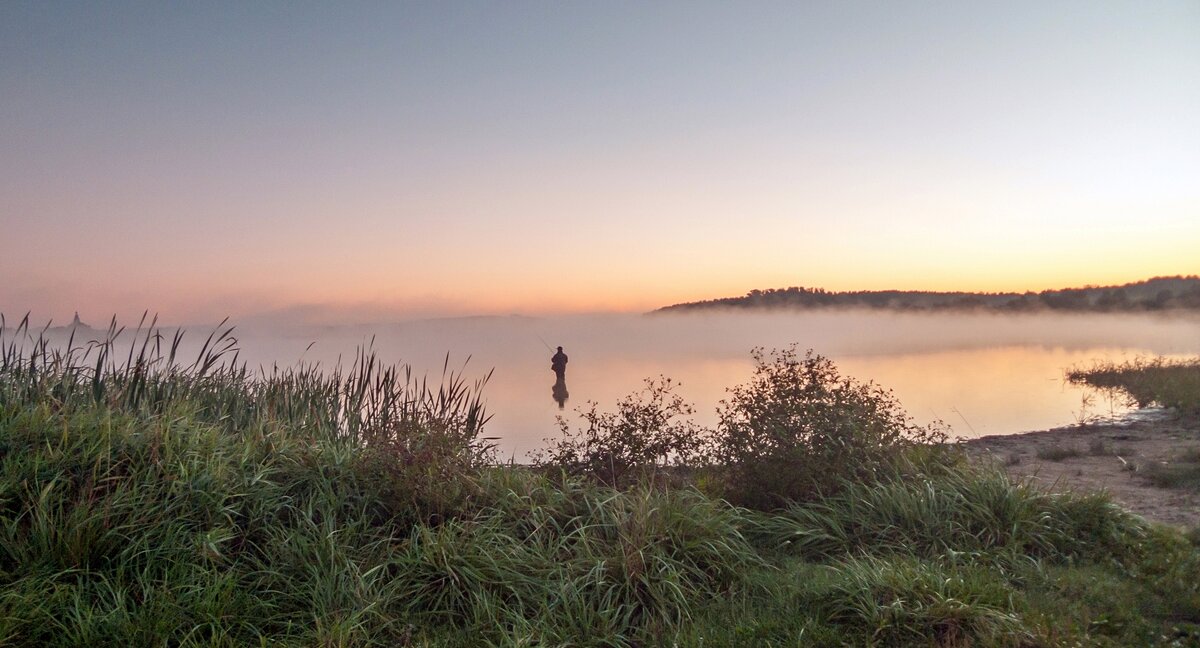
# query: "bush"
{"type": "Point", "coordinates": [799, 429]}
{"type": "Point", "coordinates": [644, 434]}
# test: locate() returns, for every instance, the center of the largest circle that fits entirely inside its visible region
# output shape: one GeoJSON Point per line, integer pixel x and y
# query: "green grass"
{"type": "Point", "coordinates": [969, 514]}
{"type": "Point", "coordinates": [1183, 471]}
{"type": "Point", "coordinates": [157, 503]}
{"type": "Point", "coordinates": [1167, 383]}
{"type": "Point", "coordinates": [1101, 448]}
{"type": "Point", "coordinates": [1058, 452]}
{"type": "Point", "coordinates": [1173, 384]}
{"type": "Point", "coordinates": [167, 531]}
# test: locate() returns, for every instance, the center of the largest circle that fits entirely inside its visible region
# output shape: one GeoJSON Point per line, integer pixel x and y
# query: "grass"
{"type": "Point", "coordinates": [148, 501]}
{"type": "Point", "coordinates": [1181, 472]}
{"type": "Point", "coordinates": [972, 515]}
{"type": "Point", "coordinates": [1172, 384]}
{"type": "Point", "coordinates": [1101, 448]}
{"type": "Point", "coordinates": [1167, 383]}
{"type": "Point", "coordinates": [1058, 452]}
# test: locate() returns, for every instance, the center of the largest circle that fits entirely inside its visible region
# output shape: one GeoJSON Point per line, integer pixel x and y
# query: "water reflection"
{"type": "Point", "coordinates": [559, 392]}
{"type": "Point", "coordinates": [982, 374]}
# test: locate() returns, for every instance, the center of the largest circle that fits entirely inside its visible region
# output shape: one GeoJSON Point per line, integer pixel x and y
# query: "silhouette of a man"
{"type": "Point", "coordinates": [558, 364]}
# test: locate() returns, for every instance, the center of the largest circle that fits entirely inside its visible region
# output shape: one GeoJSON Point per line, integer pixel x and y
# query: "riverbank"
{"type": "Point", "coordinates": [1118, 457]}
{"type": "Point", "coordinates": [145, 502]}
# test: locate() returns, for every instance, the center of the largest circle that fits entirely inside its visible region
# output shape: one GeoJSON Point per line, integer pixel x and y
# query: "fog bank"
{"type": "Point", "coordinates": [981, 373]}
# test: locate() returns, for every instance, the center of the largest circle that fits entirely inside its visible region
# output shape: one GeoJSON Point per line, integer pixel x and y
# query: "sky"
{"type": "Point", "coordinates": [379, 160]}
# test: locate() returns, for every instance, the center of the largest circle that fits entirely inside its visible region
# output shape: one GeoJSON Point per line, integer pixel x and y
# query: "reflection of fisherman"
{"type": "Point", "coordinates": [559, 392]}
{"type": "Point", "coordinates": [558, 364]}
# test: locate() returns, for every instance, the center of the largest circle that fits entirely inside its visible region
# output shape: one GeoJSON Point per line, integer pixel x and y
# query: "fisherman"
{"type": "Point", "coordinates": [558, 364]}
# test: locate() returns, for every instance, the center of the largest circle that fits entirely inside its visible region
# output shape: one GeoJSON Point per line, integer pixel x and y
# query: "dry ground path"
{"type": "Point", "coordinates": [1111, 457]}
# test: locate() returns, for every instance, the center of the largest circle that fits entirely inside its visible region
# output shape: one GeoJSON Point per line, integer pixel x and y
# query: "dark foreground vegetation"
{"type": "Point", "coordinates": [1158, 294]}
{"type": "Point", "coordinates": [148, 501]}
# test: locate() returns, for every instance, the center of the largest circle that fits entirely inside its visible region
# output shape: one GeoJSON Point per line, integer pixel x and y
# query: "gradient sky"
{"type": "Point", "coordinates": [378, 160]}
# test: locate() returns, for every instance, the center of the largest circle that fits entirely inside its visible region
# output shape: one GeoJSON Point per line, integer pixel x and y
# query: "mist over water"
{"type": "Point", "coordinates": [979, 373]}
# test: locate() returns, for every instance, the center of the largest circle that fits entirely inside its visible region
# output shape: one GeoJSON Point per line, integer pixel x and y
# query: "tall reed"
{"type": "Point", "coordinates": [1168, 383]}
{"type": "Point", "coordinates": [141, 371]}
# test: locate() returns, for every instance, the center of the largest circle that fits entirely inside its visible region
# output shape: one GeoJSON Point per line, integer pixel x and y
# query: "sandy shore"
{"type": "Point", "coordinates": [1128, 447]}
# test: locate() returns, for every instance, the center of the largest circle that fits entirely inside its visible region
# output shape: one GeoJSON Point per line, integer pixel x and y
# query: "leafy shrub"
{"type": "Point", "coordinates": [799, 429]}
{"type": "Point", "coordinates": [645, 433]}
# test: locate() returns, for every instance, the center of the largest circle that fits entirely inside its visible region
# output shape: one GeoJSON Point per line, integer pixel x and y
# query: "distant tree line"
{"type": "Point", "coordinates": [1157, 294]}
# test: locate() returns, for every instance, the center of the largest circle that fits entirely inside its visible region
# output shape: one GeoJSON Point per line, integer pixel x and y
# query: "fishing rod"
{"type": "Point", "coordinates": [543, 342]}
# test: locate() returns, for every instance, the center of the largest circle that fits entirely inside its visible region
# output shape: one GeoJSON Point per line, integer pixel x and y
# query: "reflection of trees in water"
{"type": "Point", "coordinates": [559, 391]}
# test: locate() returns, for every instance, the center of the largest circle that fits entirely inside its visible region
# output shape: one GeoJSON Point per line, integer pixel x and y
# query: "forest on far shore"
{"type": "Point", "coordinates": [1157, 294]}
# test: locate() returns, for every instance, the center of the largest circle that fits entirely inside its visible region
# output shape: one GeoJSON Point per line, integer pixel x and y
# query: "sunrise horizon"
{"type": "Point", "coordinates": [631, 324]}
{"type": "Point", "coordinates": [461, 160]}
{"type": "Point", "coordinates": [359, 313]}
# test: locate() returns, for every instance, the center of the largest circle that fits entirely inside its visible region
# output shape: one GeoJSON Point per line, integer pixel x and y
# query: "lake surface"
{"type": "Point", "coordinates": [980, 374]}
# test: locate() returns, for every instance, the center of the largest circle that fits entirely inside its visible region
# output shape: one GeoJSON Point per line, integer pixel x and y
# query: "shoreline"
{"type": "Point", "coordinates": [1111, 456]}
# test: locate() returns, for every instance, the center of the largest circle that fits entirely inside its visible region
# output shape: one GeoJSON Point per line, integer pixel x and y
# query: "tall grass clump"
{"type": "Point", "coordinates": [906, 602]}
{"type": "Point", "coordinates": [1182, 471]}
{"type": "Point", "coordinates": [1058, 452]}
{"type": "Point", "coordinates": [622, 566]}
{"type": "Point", "coordinates": [420, 440]}
{"type": "Point", "coordinates": [141, 371]}
{"type": "Point", "coordinates": [1168, 383]}
{"type": "Point", "coordinates": [117, 529]}
{"type": "Point", "coordinates": [967, 514]}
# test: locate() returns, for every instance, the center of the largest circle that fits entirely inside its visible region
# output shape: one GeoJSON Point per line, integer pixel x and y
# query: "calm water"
{"type": "Point", "coordinates": [981, 374]}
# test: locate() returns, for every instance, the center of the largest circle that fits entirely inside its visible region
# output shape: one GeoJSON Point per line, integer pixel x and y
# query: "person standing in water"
{"type": "Point", "coordinates": [558, 364]}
